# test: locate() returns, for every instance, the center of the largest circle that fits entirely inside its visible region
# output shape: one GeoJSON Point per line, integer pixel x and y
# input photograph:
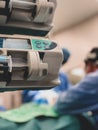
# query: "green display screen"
{"type": "Point", "coordinates": [40, 44]}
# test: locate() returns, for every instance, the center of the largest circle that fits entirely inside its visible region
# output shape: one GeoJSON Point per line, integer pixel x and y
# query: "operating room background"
{"type": "Point", "coordinates": [75, 28]}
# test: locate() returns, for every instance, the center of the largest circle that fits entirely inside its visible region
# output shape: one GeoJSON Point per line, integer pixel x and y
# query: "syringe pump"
{"type": "Point", "coordinates": [28, 17]}
{"type": "Point", "coordinates": [28, 60]}
{"type": "Point", "coordinates": [29, 63]}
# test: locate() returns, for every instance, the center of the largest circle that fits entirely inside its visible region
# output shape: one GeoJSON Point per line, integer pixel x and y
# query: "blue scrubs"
{"type": "Point", "coordinates": [64, 85]}
{"type": "Point", "coordinates": [29, 95]}
{"type": "Point", "coordinates": [80, 98]}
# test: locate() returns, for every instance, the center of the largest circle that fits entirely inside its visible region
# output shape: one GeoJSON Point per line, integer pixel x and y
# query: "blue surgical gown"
{"type": "Point", "coordinates": [80, 98]}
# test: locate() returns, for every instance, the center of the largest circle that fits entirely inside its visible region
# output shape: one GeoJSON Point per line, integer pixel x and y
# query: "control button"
{"type": "Point", "coordinates": [53, 45]}
{"type": "Point", "coordinates": [38, 46]}
{"type": "Point", "coordinates": [45, 43]}
{"type": "Point", "coordinates": [47, 47]}
{"type": "Point", "coordinates": [37, 42]}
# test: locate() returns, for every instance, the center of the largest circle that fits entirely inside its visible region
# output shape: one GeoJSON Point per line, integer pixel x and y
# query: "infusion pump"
{"type": "Point", "coordinates": [28, 60]}
{"type": "Point", "coordinates": [28, 17]}
{"type": "Point", "coordinates": [29, 63]}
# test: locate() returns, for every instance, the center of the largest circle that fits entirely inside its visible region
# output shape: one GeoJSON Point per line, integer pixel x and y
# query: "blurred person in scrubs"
{"type": "Point", "coordinates": [83, 97]}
